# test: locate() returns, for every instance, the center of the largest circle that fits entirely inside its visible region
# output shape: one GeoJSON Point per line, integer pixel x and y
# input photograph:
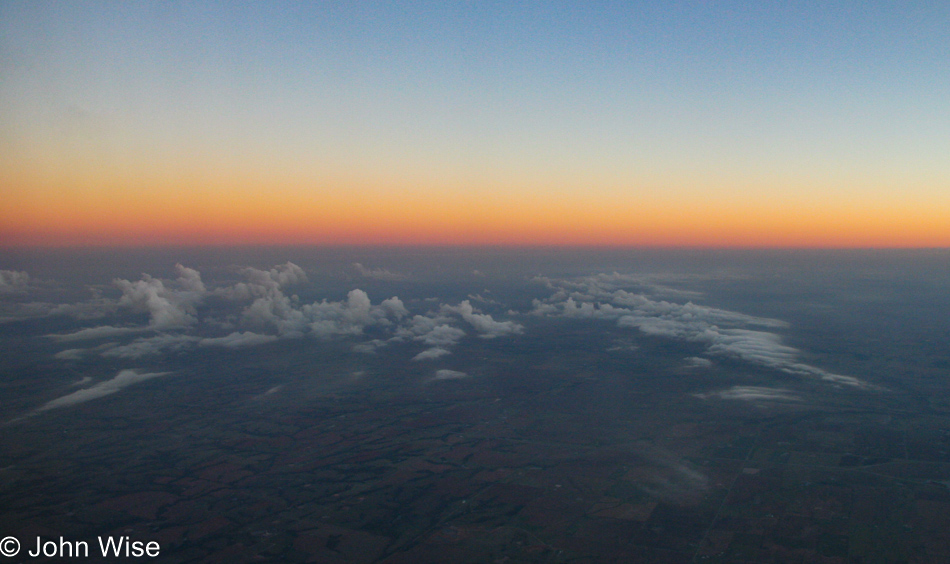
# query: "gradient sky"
{"type": "Point", "coordinates": [629, 123]}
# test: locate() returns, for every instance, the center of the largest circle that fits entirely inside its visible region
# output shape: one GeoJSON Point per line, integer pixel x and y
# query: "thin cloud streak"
{"type": "Point", "coordinates": [123, 379]}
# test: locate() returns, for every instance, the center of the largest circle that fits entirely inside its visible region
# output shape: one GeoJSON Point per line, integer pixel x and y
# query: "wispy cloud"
{"type": "Point", "coordinates": [91, 309]}
{"type": "Point", "coordinates": [123, 379]}
{"type": "Point", "coordinates": [379, 273]}
{"type": "Point", "coordinates": [100, 332]}
{"type": "Point", "coordinates": [698, 362]}
{"type": "Point", "coordinates": [446, 374]}
{"type": "Point", "coordinates": [13, 281]}
{"type": "Point", "coordinates": [238, 340]}
{"type": "Point", "coordinates": [147, 346]}
{"type": "Point", "coordinates": [754, 394]}
{"type": "Point", "coordinates": [724, 332]}
{"type": "Point", "coordinates": [69, 354]}
{"type": "Point", "coordinates": [433, 353]}
{"type": "Point", "coordinates": [369, 347]}
{"type": "Point", "coordinates": [484, 323]}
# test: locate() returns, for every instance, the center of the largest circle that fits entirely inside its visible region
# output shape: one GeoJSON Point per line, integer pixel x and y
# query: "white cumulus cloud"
{"type": "Point", "coordinates": [442, 336]}
{"type": "Point", "coordinates": [167, 308]}
{"type": "Point", "coordinates": [484, 323]}
{"type": "Point", "coordinates": [190, 279]}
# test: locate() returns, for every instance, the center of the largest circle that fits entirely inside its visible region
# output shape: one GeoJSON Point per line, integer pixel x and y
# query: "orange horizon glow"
{"type": "Point", "coordinates": [466, 222]}
{"type": "Point", "coordinates": [126, 206]}
{"type": "Point", "coordinates": [501, 125]}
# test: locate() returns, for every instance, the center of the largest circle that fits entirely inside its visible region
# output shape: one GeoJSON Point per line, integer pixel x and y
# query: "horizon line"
{"type": "Point", "coordinates": [487, 246]}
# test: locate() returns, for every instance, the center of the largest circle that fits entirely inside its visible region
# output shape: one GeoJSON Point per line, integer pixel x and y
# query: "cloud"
{"type": "Point", "coordinates": [322, 319]}
{"type": "Point", "coordinates": [268, 315]}
{"type": "Point", "coordinates": [269, 392]}
{"type": "Point", "coordinates": [190, 279]}
{"type": "Point", "coordinates": [394, 306]}
{"type": "Point", "coordinates": [166, 308]}
{"type": "Point", "coordinates": [420, 325]}
{"type": "Point", "coordinates": [97, 333]}
{"type": "Point", "coordinates": [672, 481]}
{"type": "Point", "coordinates": [442, 336]}
{"type": "Point", "coordinates": [352, 316]}
{"type": "Point", "coordinates": [263, 283]}
{"type": "Point", "coordinates": [275, 310]}
{"type": "Point", "coordinates": [753, 346]}
{"type": "Point", "coordinates": [434, 352]}
{"type": "Point", "coordinates": [240, 292]}
{"type": "Point", "coordinates": [171, 343]}
{"type": "Point", "coordinates": [623, 345]}
{"type": "Point", "coordinates": [369, 347]}
{"type": "Point", "coordinates": [287, 274]}
{"type": "Point", "coordinates": [606, 283]}
{"type": "Point", "coordinates": [436, 329]}
{"type": "Point", "coordinates": [445, 374]}
{"type": "Point", "coordinates": [379, 273]}
{"type": "Point", "coordinates": [698, 362]}
{"type": "Point", "coordinates": [76, 354]}
{"type": "Point", "coordinates": [484, 323]}
{"type": "Point", "coordinates": [238, 340]}
{"type": "Point", "coordinates": [92, 309]}
{"type": "Point", "coordinates": [483, 299]}
{"type": "Point", "coordinates": [433, 330]}
{"type": "Point", "coordinates": [175, 306]}
{"type": "Point", "coordinates": [151, 345]}
{"type": "Point", "coordinates": [69, 354]}
{"type": "Point", "coordinates": [753, 393]}
{"type": "Point", "coordinates": [123, 379]}
{"type": "Point", "coordinates": [725, 333]}
{"type": "Point", "coordinates": [171, 307]}
{"type": "Point", "coordinates": [13, 281]}
{"type": "Point", "coordinates": [14, 311]}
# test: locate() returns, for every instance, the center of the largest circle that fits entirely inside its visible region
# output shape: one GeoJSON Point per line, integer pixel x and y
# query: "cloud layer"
{"type": "Point", "coordinates": [262, 312]}
{"type": "Point", "coordinates": [723, 332]}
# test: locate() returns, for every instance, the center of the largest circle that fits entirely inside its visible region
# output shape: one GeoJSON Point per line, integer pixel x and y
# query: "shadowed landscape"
{"type": "Point", "coordinates": [602, 406]}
